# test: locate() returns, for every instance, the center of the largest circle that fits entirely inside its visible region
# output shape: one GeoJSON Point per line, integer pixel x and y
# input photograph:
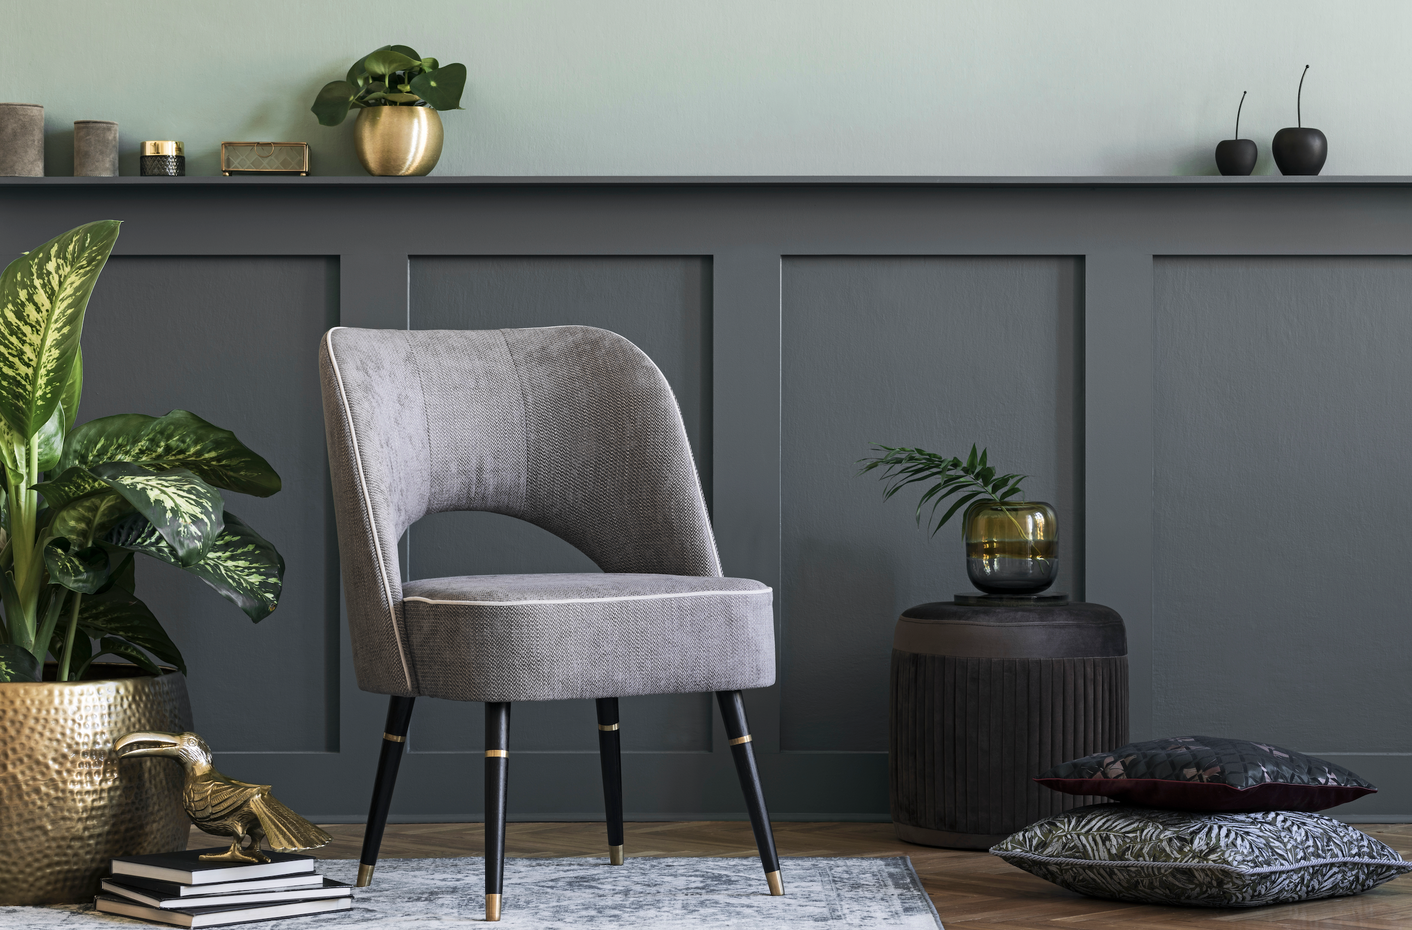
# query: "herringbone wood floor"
{"type": "Point", "coordinates": [971, 890]}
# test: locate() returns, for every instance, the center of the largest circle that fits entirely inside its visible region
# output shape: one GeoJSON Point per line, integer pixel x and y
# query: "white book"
{"type": "Point", "coordinates": [177, 889]}
{"type": "Point", "coordinates": [187, 868]}
{"type": "Point", "coordinates": [218, 916]}
{"type": "Point", "coordinates": [326, 888]}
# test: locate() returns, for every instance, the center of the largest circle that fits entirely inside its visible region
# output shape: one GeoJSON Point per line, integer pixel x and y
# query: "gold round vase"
{"type": "Point", "coordinates": [1011, 547]}
{"type": "Point", "coordinates": [398, 141]}
{"type": "Point", "coordinates": [67, 805]}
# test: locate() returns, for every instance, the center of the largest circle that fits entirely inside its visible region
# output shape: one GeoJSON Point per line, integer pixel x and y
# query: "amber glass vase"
{"type": "Point", "coordinates": [1012, 547]}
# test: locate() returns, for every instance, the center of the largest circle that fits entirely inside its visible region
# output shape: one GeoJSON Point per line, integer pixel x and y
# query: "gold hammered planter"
{"type": "Point", "coordinates": [67, 805]}
{"type": "Point", "coordinates": [398, 141]}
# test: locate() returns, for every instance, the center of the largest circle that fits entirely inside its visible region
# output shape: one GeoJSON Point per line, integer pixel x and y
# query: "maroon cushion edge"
{"type": "Point", "coordinates": [1210, 796]}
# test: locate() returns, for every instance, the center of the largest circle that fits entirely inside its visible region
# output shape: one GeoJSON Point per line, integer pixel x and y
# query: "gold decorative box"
{"type": "Point", "coordinates": [265, 158]}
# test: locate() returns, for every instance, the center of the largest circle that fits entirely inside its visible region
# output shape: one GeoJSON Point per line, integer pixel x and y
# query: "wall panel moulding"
{"type": "Point", "coordinates": [1176, 361]}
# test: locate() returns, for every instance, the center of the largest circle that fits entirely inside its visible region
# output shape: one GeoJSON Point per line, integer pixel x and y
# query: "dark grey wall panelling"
{"type": "Point", "coordinates": [1210, 396]}
{"type": "Point", "coordinates": [933, 352]}
{"type": "Point", "coordinates": [1281, 402]}
{"type": "Point", "coordinates": [663, 304]}
{"type": "Point", "coordinates": [228, 339]}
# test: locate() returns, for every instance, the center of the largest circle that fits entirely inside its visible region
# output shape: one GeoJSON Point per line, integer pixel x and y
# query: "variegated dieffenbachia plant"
{"type": "Point", "coordinates": [80, 501]}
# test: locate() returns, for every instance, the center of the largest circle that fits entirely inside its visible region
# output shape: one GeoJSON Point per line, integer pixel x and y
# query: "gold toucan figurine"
{"type": "Point", "coordinates": [223, 806]}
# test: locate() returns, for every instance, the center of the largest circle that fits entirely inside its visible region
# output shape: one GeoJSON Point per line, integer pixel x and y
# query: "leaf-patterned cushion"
{"type": "Point", "coordinates": [1152, 856]}
{"type": "Point", "coordinates": [1208, 773]}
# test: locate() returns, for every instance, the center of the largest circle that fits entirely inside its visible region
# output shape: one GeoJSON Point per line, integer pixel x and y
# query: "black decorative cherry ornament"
{"type": "Point", "coordinates": [1299, 150]}
{"type": "Point", "coordinates": [1237, 156]}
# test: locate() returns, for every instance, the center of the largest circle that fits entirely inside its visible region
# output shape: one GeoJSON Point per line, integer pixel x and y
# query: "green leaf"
{"type": "Point", "coordinates": [118, 613]}
{"type": "Point", "coordinates": [87, 518]}
{"type": "Point", "coordinates": [73, 483]}
{"type": "Point", "coordinates": [81, 657]}
{"type": "Point", "coordinates": [43, 296]}
{"type": "Point", "coordinates": [441, 88]}
{"type": "Point", "coordinates": [17, 664]}
{"type": "Point", "coordinates": [971, 460]}
{"type": "Point", "coordinates": [428, 64]}
{"type": "Point", "coordinates": [241, 565]}
{"type": "Point", "coordinates": [387, 61]}
{"type": "Point", "coordinates": [356, 69]}
{"type": "Point", "coordinates": [183, 508]}
{"type": "Point", "coordinates": [111, 645]}
{"type": "Point", "coordinates": [82, 570]}
{"type": "Point", "coordinates": [960, 502]}
{"type": "Point", "coordinates": [72, 392]}
{"type": "Point", "coordinates": [405, 50]}
{"type": "Point", "coordinates": [125, 575]}
{"type": "Point", "coordinates": [180, 439]}
{"type": "Point", "coordinates": [332, 103]}
{"type": "Point", "coordinates": [51, 440]}
{"type": "Point", "coordinates": [400, 98]}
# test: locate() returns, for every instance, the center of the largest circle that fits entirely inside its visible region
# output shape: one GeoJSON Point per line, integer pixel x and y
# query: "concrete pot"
{"type": "Point", "coordinates": [21, 140]}
{"type": "Point", "coordinates": [95, 148]}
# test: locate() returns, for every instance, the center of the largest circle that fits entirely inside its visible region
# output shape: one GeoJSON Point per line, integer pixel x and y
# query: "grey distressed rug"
{"type": "Point", "coordinates": [589, 894]}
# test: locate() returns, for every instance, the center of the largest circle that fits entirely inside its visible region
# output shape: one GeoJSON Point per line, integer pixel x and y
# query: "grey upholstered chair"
{"type": "Point", "coordinates": [575, 430]}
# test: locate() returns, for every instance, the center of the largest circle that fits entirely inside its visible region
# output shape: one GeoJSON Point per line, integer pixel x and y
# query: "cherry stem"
{"type": "Point", "coordinates": [1242, 103]}
{"type": "Point", "coordinates": [1299, 100]}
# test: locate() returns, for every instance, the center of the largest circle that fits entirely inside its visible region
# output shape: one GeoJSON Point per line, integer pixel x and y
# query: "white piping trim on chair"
{"type": "Point", "coordinates": [581, 600]}
{"type": "Point", "coordinates": [368, 501]}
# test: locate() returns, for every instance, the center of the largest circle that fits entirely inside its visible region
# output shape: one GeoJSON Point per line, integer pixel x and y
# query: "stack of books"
{"type": "Point", "coordinates": [181, 890]}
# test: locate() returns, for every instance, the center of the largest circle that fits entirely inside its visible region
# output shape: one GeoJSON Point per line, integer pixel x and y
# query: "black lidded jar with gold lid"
{"type": "Point", "coordinates": [163, 159]}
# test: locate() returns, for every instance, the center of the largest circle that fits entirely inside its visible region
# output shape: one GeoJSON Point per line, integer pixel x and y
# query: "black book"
{"type": "Point", "coordinates": [218, 916]}
{"type": "Point", "coordinates": [162, 889]}
{"type": "Point", "coordinates": [187, 868]}
{"type": "Point", "coordinates": [326, 888]}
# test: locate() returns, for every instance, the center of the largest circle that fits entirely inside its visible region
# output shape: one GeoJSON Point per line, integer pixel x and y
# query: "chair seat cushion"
{"type": "Point", "coordinates": [560, 636]}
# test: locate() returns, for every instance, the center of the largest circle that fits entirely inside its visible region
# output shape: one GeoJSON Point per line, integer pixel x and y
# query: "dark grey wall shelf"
{"type": "Point", "coordinates": [1177, 361]}
{"type": "Point", "coordinates": [1351, 180]}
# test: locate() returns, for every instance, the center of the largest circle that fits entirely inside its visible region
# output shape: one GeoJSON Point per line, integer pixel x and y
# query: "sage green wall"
{"type": "Point", "coordinates": [833, 87]}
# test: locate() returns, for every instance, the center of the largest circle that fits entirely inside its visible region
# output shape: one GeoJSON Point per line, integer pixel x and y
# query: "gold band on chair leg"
{"type": "Point", "coordinates": [776, 885]}
{"type": "Point", "coordinates": [497, 754]}
{"type": "Point", "coordinates": [608, 728]}
{"type": "Point", "coordinates": [743, 739]}
{"type": "Point", "coordinates": [365, 875]}
{"type": "Point", "coordinates": [492, 907]}
{"type": "Point", "coordinates": [394, 739]}
{"type": "Point", "coordinates": [615, 855]}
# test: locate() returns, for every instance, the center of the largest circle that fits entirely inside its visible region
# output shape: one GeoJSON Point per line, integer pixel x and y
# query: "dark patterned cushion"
{"type": "Point", "coordinates": [1214, 860]}
{"type": "Point", "coordinates": [1207, 773]}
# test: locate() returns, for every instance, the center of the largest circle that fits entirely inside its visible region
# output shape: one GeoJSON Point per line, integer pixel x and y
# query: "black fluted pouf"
{"type": "Point", "coordinates": [986, 698]}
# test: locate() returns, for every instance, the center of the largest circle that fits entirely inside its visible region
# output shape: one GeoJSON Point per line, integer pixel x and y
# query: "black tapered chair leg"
{"type": "Point", "coordinates": [497, 783]}
{"type": "Point", "coordinates": [738, 732]}
{"type": "Point", "coordinates": [394, 739]}
{"type": "Point", "coordinates": [610, 757]}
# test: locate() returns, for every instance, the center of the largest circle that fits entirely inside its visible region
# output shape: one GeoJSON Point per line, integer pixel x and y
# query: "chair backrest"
{"type": "Point", "coordinates": [570, 428]}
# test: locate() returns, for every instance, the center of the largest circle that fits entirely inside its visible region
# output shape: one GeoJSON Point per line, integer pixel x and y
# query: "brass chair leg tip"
{"type": "Point", "coordinates": [365, 875]}
{"type": "Point", "coordinates": [776, 885]}
{"type": "Point", "coordinates": [615, 855]}
{"type": "Point", "coordinates": [492, 907]}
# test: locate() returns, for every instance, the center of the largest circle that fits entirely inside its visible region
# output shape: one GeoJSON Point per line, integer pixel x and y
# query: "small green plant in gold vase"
{"type": "Point", "coordinates": [1012, 545]}
{"type": "Point", "coordinates": [397, 93]}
